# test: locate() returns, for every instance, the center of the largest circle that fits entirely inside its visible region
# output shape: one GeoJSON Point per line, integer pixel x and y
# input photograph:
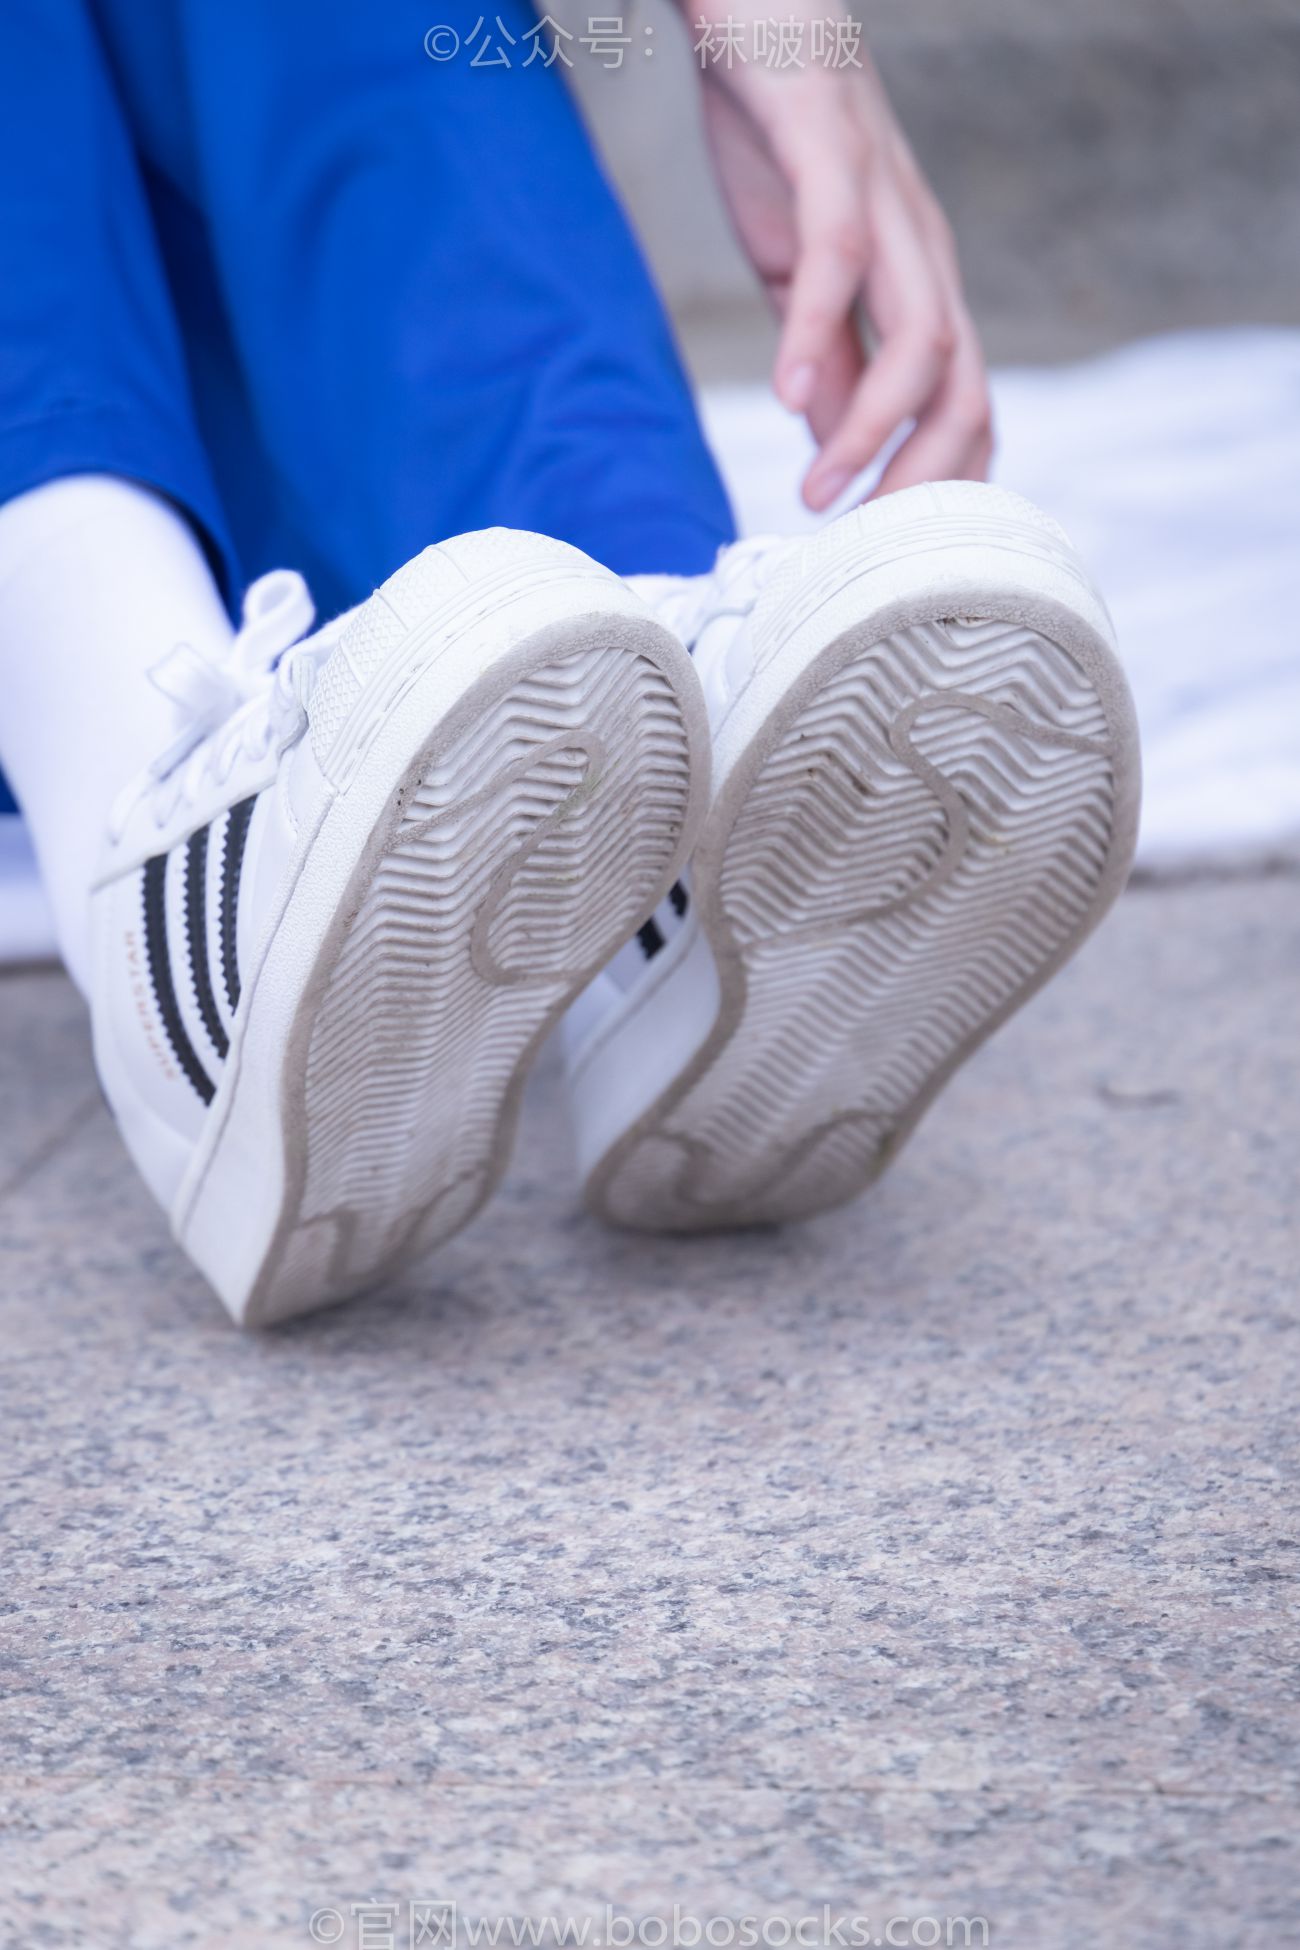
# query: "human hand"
{"type": "Point", "coordinates": [842, 229]}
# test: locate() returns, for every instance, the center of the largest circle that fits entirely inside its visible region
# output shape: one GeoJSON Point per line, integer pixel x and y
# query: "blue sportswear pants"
{"type": "Point", "coordinates": [333, 296]}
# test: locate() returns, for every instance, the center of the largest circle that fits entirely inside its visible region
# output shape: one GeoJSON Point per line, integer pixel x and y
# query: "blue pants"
{"type": "Point", "coordinates": [334, 297]}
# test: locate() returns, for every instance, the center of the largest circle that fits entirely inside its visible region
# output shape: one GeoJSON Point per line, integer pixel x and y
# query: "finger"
{"type": "Point", "coordinates": [898, 385]}
{"type": "Point", "coordinates": [912, 465]}
{"type": "Point", "coordinates": [838, 379]}
{"type": "Point", "coordinates": [941, 449]}
{"type": "Point", "coordinates": [828, 278]}
{"type": "Point", "coordinates": [964, 401]}
{"type": "Point", "coordinates": [909, 308]}
{"type": "Point", "coordinates": [953, 439]}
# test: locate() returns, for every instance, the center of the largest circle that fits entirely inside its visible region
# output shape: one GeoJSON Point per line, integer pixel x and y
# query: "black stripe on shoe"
{"type": "Point", "coordinates": [196, 928]}
{"type": "Point", "coordinates": [160, 974]}
{"type": "Point", "coordinates": [650, 934]}
{"type": "Point", "coordinates": [232, 865]}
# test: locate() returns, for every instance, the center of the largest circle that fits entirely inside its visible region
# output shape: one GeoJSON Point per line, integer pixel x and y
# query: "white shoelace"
{"type": "Point", "coordinates": [241, 702]}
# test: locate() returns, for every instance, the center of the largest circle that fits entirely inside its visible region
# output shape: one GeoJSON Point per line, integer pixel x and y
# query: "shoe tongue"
{"type": "Point", "coordinates": [711, 612]}
{"type": "Point", "coordinates": [721, 660]}
{"type": "Point", "coordinates": [722, 648]}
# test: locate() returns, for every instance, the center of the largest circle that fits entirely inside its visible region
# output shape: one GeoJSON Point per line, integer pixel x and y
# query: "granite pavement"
{"type": "Point", "coordinates": [936, 1559]}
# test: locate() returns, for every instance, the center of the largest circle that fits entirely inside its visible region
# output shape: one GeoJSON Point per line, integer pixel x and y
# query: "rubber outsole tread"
{"type": "Point", "coordinates": [919, 843]}
{"type": "Point", "coordinates": [523, 853]}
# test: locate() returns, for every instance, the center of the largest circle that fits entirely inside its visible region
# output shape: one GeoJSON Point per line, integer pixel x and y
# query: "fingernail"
{"type": "Point", "coordinates": [825, 488]}
{"type": "Point", "coordinates": [799, 387]}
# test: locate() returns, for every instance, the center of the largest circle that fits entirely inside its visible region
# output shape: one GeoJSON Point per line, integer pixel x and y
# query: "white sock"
{"type": "Point", "coordinates": [99, 579]}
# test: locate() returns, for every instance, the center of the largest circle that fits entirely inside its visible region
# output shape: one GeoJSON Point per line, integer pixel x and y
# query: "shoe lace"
{"type": "Point", "coordinates": [243, 701]}
{"type": "Point", "coordinates": [731, 588]}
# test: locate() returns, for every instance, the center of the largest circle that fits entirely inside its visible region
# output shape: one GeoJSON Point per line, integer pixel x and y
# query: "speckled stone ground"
{"type": "Point", "coordinates": [936, 1559]}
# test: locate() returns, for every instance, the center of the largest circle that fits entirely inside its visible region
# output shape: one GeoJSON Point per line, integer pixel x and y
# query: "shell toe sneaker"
{"type": "Point", "coordinates": [334, 923]}
{"type": "Point", "coordinates": [924, 796]}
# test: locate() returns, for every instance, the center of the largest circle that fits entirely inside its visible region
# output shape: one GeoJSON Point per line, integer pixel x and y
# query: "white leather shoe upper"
{"type": "Point", "coordinates": [196, 849]}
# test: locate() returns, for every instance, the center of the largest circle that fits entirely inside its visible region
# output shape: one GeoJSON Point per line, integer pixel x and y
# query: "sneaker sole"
{"type": "Point", "coordinates": [510, 801]}
{"type": "Point", "coordinates": [925, 798]}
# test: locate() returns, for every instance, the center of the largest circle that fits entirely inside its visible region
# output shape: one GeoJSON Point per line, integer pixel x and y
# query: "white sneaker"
{"type": "Point", "coordinates": [336, 921]}
{"type": "Point", "coordinates": [925, 795]}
